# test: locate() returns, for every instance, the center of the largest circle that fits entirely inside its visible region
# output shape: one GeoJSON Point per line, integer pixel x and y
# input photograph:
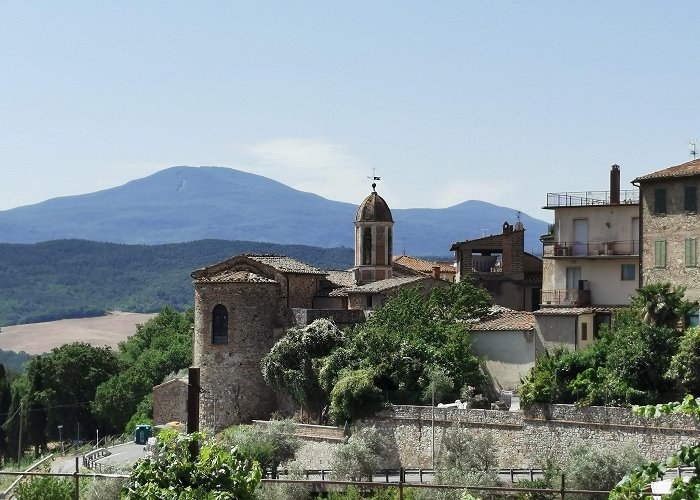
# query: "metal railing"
{"type": "Point", "coordinates": [628, 248]}
{"type": "Point", "coordinates": [590, 198]}
{"type": "Point", "coordinates": [567, 297]}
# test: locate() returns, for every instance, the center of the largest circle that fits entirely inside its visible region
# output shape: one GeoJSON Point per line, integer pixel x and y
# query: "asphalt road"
{"type": "Point", "coordinates": [123, 457]}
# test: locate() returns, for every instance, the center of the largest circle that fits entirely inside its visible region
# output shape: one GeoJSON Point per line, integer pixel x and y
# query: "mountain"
{"type": "Point", "coordinates": [185, 204]}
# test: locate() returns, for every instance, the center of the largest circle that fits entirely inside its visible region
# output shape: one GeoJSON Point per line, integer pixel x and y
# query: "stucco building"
{"type": "Point", "coordinates": [670, 226]}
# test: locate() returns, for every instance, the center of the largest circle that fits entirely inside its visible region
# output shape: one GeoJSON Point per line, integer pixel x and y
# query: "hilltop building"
{"type": "Point", "coordinates": [244, 304]}
{"type": "Point", "coordinates": [671, 227]}
{"type": "Point", "coordinates": [591, 261]}
{"type": "Point", "coordinates": [500, 264]}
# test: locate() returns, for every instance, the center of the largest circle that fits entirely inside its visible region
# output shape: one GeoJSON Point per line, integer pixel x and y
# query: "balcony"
{"type": "Point", "coordinates": [590, 198]}
{"type": "Point", "coordinates": [570, 297]}
{"type": "Point", "coordinates": [621, 248]}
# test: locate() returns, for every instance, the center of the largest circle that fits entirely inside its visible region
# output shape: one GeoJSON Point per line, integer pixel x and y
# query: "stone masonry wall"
{"type": "Point", "coordinates": [170, 402]}
{"type": "Point", "coordinates": [525, 438]}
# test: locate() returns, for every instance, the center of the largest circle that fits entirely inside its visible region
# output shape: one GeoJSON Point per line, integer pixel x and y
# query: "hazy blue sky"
{"type": "Point", "coordinates": [450, 101]}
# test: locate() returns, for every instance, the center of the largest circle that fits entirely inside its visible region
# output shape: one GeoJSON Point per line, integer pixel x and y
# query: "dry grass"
{"type": "Point", "coordinates": [37, 338]}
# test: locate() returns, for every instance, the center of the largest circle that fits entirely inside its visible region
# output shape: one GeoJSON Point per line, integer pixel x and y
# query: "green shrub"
{"type": "Point", "coordinates": [355, 396]}
{"type": "Point", "coordinates": [591, 468]}
{"type": "Point", "coordinates": [45, 488]}
{"type": "Point", "coordinates": [361, 456]}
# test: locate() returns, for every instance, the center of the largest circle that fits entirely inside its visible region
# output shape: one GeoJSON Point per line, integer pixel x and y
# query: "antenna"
{"type": "Point", "coordinates": [691, 146]}
{"type": "Point", "coordinates": [403, 242]}
{"type": "Point", "coordinates": [374, 178]}
{"type": "Point", "coordinates": [483, 231]}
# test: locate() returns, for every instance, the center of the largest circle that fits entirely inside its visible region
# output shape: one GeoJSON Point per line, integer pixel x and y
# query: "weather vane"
{"type": "Point", "coordinates": [374, 178]}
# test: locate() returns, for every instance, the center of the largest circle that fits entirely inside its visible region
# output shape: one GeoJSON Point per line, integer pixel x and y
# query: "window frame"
{"type": "Point", "coordinates": [626, 276]}
{"type": "Point", "coordinates": [660, 201]}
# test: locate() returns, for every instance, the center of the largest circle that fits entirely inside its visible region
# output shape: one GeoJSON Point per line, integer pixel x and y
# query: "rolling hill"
{"type": "Point", "coordinates": [182, 204]}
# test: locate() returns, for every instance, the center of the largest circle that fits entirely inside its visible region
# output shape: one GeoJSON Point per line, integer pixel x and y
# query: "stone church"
{"type": "Point", "coordinates": [244, 304]}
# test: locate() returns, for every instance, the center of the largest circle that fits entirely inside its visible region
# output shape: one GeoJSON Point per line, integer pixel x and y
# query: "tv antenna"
{"type": "Point", "coordinates": [374, 178]}
{"type": "Point", "coordinates": [691, 146]}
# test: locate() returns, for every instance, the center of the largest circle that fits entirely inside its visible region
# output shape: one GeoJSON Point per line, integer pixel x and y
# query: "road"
{"type": "Point", "coordinates": [122, 458]}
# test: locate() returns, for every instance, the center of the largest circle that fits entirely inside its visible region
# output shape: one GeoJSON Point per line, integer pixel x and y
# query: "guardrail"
{"type": "Point", "coordinates": [9, 489]}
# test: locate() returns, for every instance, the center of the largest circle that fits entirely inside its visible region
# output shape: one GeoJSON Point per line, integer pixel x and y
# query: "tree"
{"type": "Point", "coordinates": [591, 468]}
{"type": "Point", "coordinates": [63, 383]}
{"type": "Point", "coordinates": [361, 456]}
{"type": "Point", "coordinates": [291, 366]}
{"type": "Point", "coordinates": [160, 346]}
{"type": "Point", "coordinates": [355, 395]}
{"type": "Point", "coordinates": [215, 474]}
{"type": "Point", "coordinates": [662, 304]}
{"type": "Point", "coordinates": [684, 368]}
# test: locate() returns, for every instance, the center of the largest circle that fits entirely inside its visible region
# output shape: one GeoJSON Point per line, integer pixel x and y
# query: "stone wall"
{"type": "Point", "coordinates": [525, 438]}
{"type": "Point", "coordinates": [340, 317]}
{"type": "Point", "coordinates": [170, 402]}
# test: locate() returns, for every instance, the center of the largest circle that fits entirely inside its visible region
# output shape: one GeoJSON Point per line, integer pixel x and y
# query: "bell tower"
{"type": "Point", "coordinates": [373, 239]}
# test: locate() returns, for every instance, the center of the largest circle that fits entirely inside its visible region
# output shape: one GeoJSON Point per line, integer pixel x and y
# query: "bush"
{"type": "Point", "coordinates": [362, 456]}
{"type": "Point", "coordinates": [45, 488]}
{"type": "Point", "coordinates": [685, 364]}
{"type": "Point", "coordinates": [269, 446]}
{"type": "Point", "coordinates": [102, 488]}
{"type": "Point", "coordinates": [215, 474]}
{"type": "Point", "coordinates": [590, 468]}
{"type": "Point", "coordinates": [355, 396]}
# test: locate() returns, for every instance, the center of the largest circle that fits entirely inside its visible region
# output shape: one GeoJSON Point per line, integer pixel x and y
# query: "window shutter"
{"type": "Point", "coordinates": [660, 253]}
{"type": "Point", "coordinates": [690, 252]}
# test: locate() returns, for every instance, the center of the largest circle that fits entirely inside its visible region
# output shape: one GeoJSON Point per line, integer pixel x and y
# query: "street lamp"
{"type": "Point", "coordinates": [60, 437]}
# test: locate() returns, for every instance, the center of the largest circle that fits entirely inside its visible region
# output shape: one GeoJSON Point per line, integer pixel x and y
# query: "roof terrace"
{"type": "Point", "coordinates": [590, 198]}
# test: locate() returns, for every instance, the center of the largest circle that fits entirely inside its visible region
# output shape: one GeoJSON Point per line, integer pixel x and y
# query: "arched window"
{"type": "Point", "coordinates": [367, 247]}
{"type": "Point", "coordinates": [219, 325]}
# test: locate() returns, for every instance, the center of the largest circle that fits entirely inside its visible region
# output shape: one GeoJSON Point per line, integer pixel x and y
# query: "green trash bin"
{"type": "Point", "coordinates": [142, 433]}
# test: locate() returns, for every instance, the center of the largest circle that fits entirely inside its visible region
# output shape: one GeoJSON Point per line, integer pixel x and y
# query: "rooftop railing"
{"type": "Point", "coordinates": [591, 248]}
{"type": "Point", "coordinates": [590, 198]}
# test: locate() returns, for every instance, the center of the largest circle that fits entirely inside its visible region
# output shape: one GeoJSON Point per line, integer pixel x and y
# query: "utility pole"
{"type": "Point", "coordinates": [19, 440]}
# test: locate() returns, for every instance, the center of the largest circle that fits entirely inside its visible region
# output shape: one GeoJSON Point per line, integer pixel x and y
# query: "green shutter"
{"type": "Point", "coordinates": [690, 252]}
{"type": "Point", "coordinates": [660, 253]}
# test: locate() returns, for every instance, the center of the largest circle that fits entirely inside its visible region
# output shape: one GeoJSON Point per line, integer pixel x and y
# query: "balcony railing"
{"type": "Point", "coordinates": [592, 248]}
{"type": "Point", "coordinates": [589, 198]}
{"type": "Point", "coordinates": [572, 297]}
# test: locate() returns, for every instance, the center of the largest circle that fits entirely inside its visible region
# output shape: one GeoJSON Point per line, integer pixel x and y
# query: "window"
{"type": "Point", "coordinates": [691, 200]}
{"type": "Point", "coordinates": [219, 325]}
{"type": "Point", "coordinates": [659, 201]}
{"type": "Point", "coordinates": [629, 272]}
{"type": "Point", "coordinates": [584, 331]}
{"type": "Point", "coordinates": [691, 254]}
{"type": "Point", "coordinates": [660, 253]}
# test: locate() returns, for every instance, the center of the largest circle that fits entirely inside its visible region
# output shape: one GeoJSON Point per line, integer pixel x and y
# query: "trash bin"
{"type": "Point", "coordinates": [142, 433]}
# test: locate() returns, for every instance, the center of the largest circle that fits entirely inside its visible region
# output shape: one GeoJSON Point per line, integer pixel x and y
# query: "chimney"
{"type": "Point", "coordinates": [436, 272]}
{"type": "Point", "coordinates": [615, 185]}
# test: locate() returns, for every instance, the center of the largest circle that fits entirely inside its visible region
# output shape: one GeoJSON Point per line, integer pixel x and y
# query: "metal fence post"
{"type": "Point", "coordinates": [562, 487]}
{"type": "Point", "coordinates": [77, 479]}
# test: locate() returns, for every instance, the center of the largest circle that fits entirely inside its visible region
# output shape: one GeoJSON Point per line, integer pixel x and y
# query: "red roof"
{"type": "Point", "coordinates": [687, 169]}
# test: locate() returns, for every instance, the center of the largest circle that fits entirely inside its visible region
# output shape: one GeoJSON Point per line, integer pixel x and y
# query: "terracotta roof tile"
{"type": "Point", "coordinates": [687, 169]}
{"type": "Point", "coordinates": [229, 276]}
{"type": "Point", "coordinates": [575, 311]}
{"type": "Point", "coordinates": [423, 266]}
{"type": "Point", "coordinates": [387, 284]}
{"type": "Point", "coordinates": [286, 264]}
{"type": "Point", "coordinates": [505, 320]}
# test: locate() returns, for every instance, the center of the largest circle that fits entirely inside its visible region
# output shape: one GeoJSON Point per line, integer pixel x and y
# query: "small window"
{"type": "Point", "coordinates": [659, 201]}
{"type": "Point", "coordinates": [584, 331]}
{"type": "Point", "coordinates": [660, 253]}
{"type": "Point", "coordinates": [367, 246]}
{"type": "Point", "coordinates": [691, 200]}
{"type": "Point", "coordinates": [219, 325]}
{"type": "Point", "coordinates": [629, 272]}
{"type": "Point", "coordinates": [691, 254]}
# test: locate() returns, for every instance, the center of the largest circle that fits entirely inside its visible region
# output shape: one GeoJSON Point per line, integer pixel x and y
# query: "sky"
{"type": "Point", "coordinates": [446, 101]}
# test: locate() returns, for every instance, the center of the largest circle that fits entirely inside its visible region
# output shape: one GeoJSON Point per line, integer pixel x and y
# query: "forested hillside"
{"type": "Point", "coordinates": [77, 278]}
